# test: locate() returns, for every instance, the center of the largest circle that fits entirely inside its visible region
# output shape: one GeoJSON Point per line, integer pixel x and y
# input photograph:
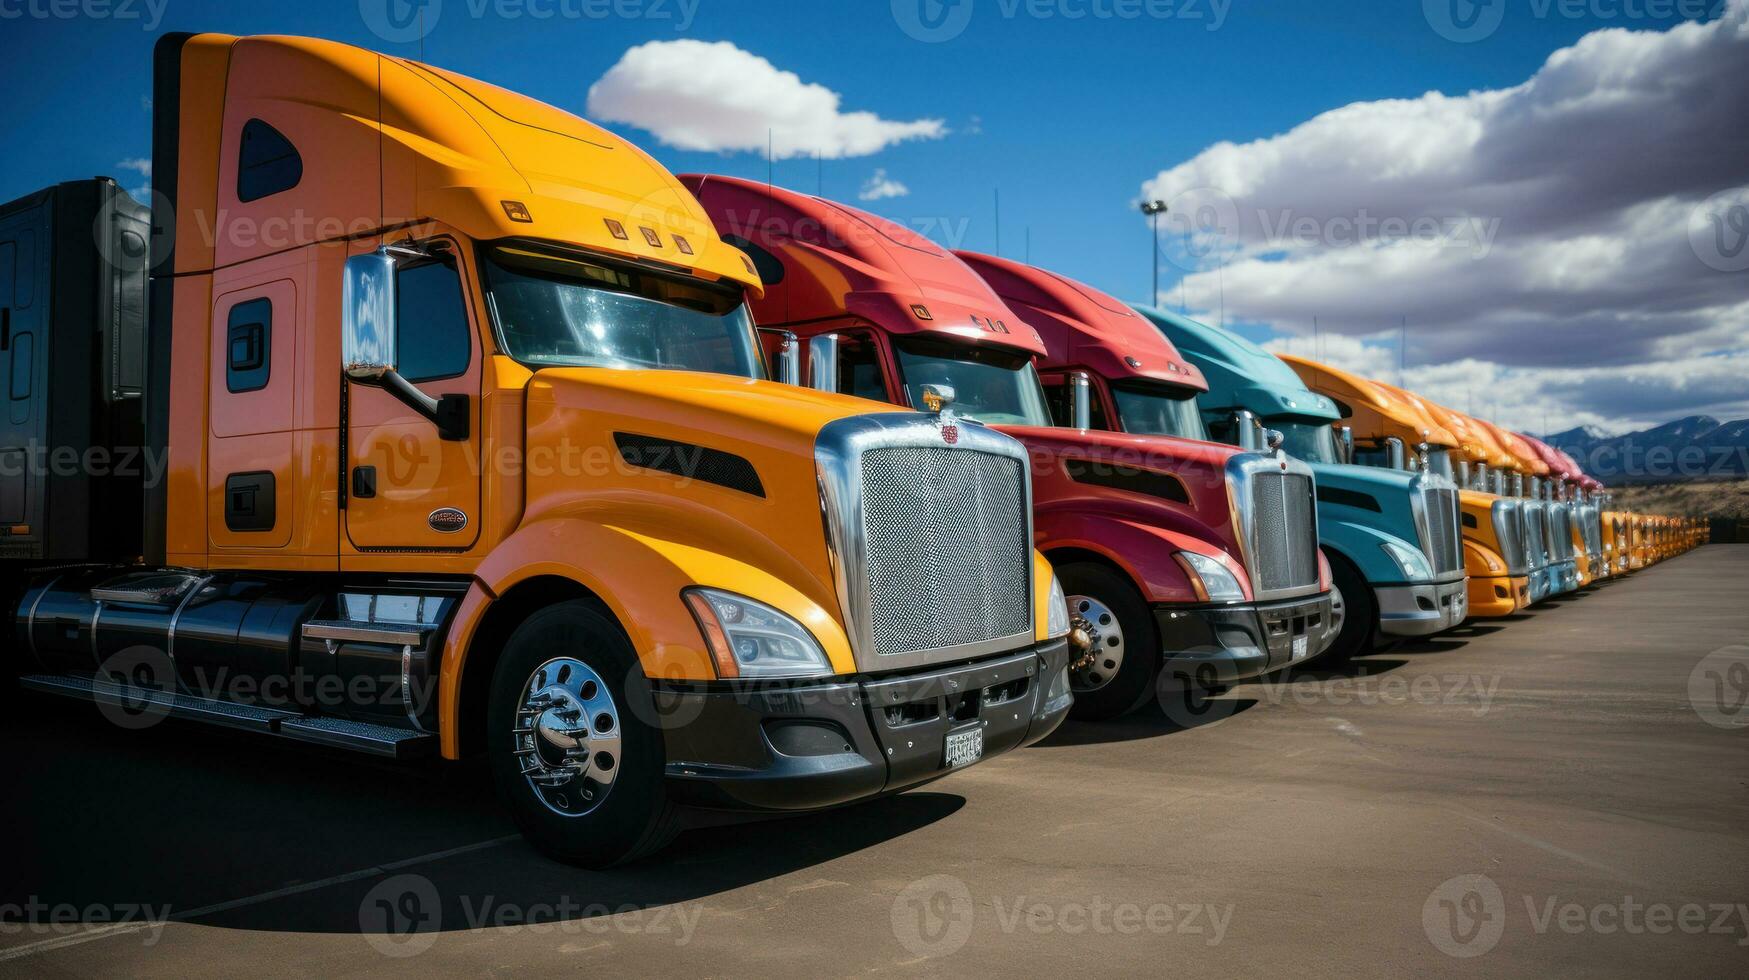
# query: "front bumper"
{"type": "Point", "coordinates": [1491, 596]}
{"type": "Point", "coordinates": [1563, 578]}
{"type": "Point", "coordinates": [1421, 610]}
{"type": "Point", "coordinates": [782, 748]}
{"type": "Point", "coordinates": [1214, 646]}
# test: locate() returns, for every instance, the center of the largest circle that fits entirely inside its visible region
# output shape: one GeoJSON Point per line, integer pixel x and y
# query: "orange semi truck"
{"type": "Point", "coordinates": [467, 446]}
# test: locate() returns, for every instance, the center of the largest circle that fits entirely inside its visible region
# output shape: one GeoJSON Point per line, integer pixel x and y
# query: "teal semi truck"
{"type": "Point", "coordinates": [1392, 535]}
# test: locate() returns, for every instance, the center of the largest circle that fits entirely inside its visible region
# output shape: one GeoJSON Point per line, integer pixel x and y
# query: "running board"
{"type": "Point", "coordinates": [144, 706]}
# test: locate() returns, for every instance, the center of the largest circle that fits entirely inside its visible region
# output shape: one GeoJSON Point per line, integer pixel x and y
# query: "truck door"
{"type": "Point", "coordinates": [407, 487]}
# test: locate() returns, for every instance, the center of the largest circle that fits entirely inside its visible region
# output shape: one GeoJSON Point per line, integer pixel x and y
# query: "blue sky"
{"type": "Point", "coordinates": [1067, 117]}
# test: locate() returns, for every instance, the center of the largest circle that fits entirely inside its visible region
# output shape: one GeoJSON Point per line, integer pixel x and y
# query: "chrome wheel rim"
{"type": "Point", "coordinates": [1338, 610]}
{"type": "Point", "coordinates": [567, 737]}
{"type": "Point", "coordinates": [1105, 651]}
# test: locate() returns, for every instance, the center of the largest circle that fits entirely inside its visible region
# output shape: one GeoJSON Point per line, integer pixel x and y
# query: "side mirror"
{"type": "Point", "coordinates": [1345, 442]}
{"type": "Point", "coordinates": [823, 362]}
{"type": "Point", "coordinates": [367, 322]}
{"type": "Point", "coordinates": [368, 352]}
{"type": "Point", "coordinates": [1080, 401]}
{"type": "Point", "coordinates": [789, 360]}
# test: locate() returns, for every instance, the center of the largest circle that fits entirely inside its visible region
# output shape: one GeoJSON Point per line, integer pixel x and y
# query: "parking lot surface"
{"type": "Point", "coordinates": [1563, 792]}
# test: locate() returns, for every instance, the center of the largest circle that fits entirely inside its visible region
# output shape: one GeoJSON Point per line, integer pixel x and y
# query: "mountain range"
{"type": "Point", "coordinates": [1697, 447]}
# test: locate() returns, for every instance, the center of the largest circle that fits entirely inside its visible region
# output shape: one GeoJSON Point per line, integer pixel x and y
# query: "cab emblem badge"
{"type": "Point", "coordinates": [950, 434]}
{"type": "Point", "coordinates": [447, 520]}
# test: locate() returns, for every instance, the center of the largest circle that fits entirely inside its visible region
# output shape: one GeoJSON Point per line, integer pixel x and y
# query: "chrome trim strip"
{"type": "Point", "coordinates": [96, 615]}
{"type": "Point", "coordinates": [389, 634]}
{"type": "Point", "coordinates": [838, 455]}
{"type": "Point", "coordinates": [30, 621]}
{"type": "Point", "coordinates": [407, 687]}
{"type": "Point", "coordinates": [175, 618]}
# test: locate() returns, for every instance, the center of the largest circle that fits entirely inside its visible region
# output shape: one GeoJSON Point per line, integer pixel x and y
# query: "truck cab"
{"type": "Point", "coordinates": [1391, 534]}
{"type": "Point", "coordinates": [470, 447]}
{"type": "Point", "coordinates": [1188, 565]}
{"type": "Point", "coordinates": [1494, 554]}
{"type": "Point", "coordinates": [1521, 482]}
{"type": "Point", "coordinates": [1568, 562]}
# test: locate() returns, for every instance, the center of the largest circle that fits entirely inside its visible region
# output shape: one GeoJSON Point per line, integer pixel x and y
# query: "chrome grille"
{"type": "Point", "coordinates": [1284, 536]}
{"type": "Point", "coordinates": [1507, 533]}
{"type": "Point", "coordinates": [1444, 544]}
{"type": "Point", "coordinates": [948, 561]}
{"type": "Point", "coordinates": [1534, 533]}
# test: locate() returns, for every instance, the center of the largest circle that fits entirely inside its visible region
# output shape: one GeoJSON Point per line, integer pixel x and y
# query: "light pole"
{"type": "Point", "coordinates": [1154, 209]}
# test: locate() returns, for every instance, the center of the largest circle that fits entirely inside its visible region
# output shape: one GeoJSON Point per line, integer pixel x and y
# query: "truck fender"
{"type": "Point", "coordinates": [638, 577]}
{"type": "Point", "coordinates": [1143, 552]}
{"type": "Point", "coordinates": [1359, 544]}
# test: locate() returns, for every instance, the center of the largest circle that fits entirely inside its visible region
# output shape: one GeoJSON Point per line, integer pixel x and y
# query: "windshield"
{"type": "Point", "coordinates": [1157, 410]}
{"type": "Point", "coordinates": [993, 386]}
{"type": "Point", "coordinates": [1314, 442]}
{"type": "Point", "coordinates": [574, 310]}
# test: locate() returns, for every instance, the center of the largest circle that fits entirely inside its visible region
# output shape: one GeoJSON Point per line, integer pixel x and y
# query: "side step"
{"type": "Point", "coordinates": [340, 733]}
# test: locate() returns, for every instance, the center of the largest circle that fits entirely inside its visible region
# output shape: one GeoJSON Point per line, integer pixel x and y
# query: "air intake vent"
{"type": "Point", "coordinates": [685, 460]}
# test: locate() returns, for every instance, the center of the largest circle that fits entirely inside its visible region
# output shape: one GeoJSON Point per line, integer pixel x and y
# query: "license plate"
{"type": "Point", "coordinates": [1302, 646]}
{"type": "Point", "coordinates": [964, 747]}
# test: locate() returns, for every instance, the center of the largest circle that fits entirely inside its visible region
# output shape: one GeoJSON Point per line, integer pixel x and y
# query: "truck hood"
{"type": "Point", "coordinates": [1196, 505]}
{"type": "Point", "coordinates": [703, 461]}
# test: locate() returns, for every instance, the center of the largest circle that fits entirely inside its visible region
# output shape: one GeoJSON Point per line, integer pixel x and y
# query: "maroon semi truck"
{"type": "Point", "coordinates": [1189, 564]}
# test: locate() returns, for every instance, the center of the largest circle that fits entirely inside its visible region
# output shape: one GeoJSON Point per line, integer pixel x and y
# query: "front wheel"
{"type": "Point", "coordinates": [1357, 612]}
{"type": "Point", "coordinates": [572, 757]}
{"type": "Point", "coordinates": [1115, 675]}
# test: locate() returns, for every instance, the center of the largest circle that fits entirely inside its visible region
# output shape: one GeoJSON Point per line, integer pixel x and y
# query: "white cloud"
{"type": "Point", "coordinates": [1550, 238]}
{"type": "Point", "coordinates": [713, 96]}
{"type": "Point", "coordinates": [880, 186]}
{"type": "Point", "coordinates": [143, 165]}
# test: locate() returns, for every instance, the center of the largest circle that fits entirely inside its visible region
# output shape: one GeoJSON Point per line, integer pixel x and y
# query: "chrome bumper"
{"type": "Point", "coordinates": [1421, 610]}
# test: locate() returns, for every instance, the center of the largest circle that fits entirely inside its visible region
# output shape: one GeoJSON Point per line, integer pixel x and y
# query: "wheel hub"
{"type": "Point", "coordinates": [1103, 654]}
{"type": "Point", "coordinates": [567, 736]}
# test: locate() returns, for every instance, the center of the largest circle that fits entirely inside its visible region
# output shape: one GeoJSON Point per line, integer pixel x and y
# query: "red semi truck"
{"type": "Point", "coordinates": [1189, 565]}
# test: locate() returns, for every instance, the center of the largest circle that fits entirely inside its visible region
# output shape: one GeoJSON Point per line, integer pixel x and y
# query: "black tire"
{"type": "Point", "coordinates": [1361, 619]}
{"type": "Point", "coordinates": [1132, 684]}
{"type": "Point", "coordinates": [635, 817]}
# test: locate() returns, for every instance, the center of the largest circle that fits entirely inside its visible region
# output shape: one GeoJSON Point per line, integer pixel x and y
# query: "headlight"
{"type": "Point", "coordinates": [1210, 577]}
{"type": "Point", "coordinates": [751, 639]}
{"type": "Point", "coordinates": [1412, 562]}
{"type": "Point", "coordinates": [1493, 566]}
{"type": "Point", "coordinates": [1056, 611]}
